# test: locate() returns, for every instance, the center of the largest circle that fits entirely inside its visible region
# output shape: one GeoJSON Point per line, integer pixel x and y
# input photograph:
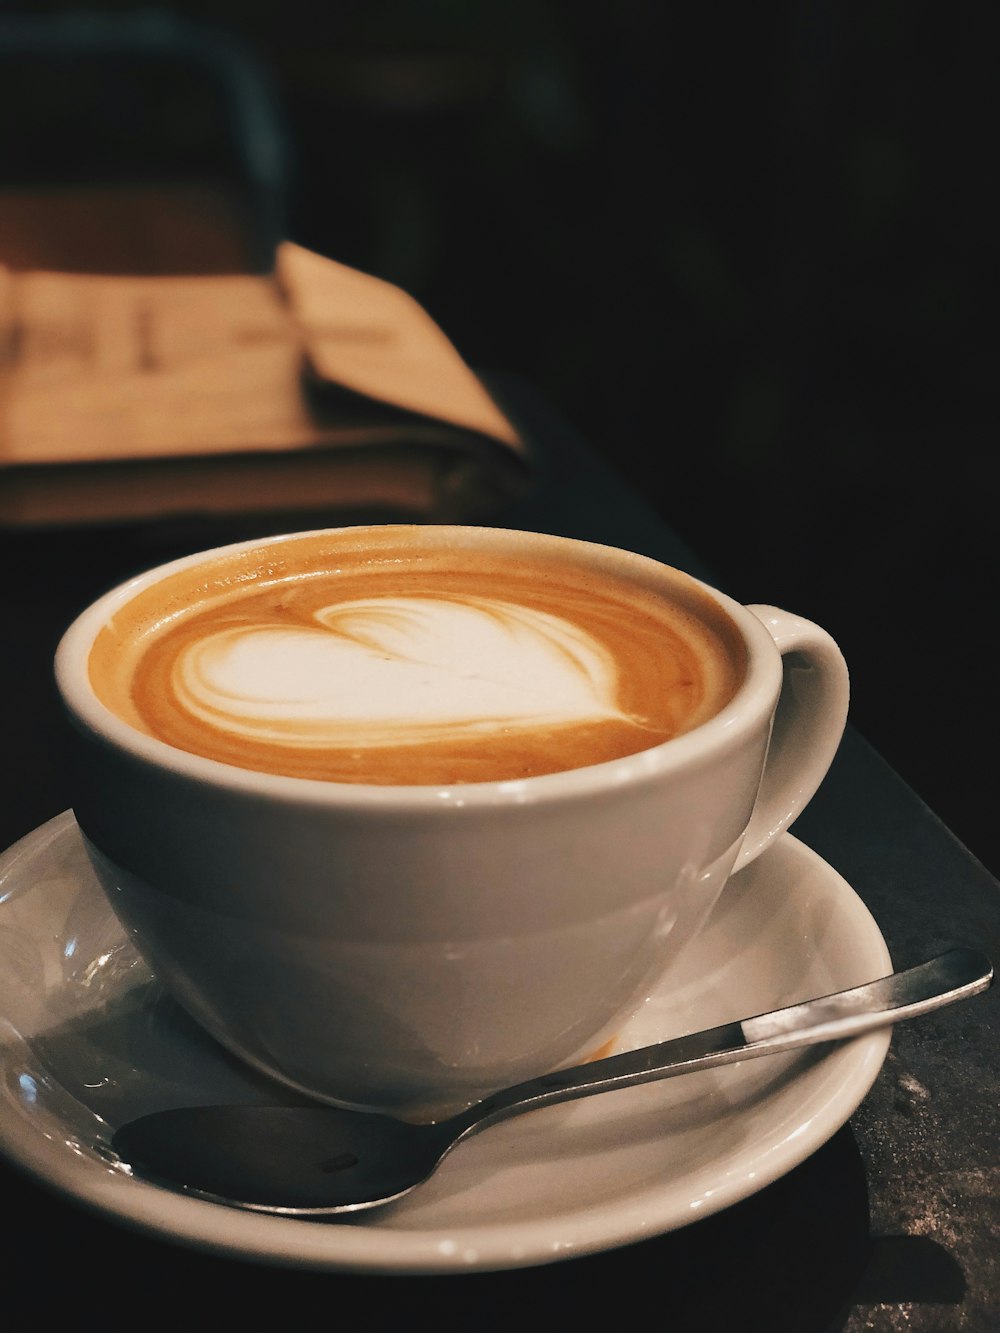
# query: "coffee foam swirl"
{"type": "Point", "coordinates": [388, 670]}
{"type": "Point", "coordinates": [391, 656]}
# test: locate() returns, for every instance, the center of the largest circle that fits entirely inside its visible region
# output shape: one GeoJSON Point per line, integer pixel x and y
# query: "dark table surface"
{"type": "Point", "coordinates": [892, 1224]}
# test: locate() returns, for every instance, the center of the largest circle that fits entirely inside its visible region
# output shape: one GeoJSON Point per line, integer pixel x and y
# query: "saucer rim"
{"type": "Point", "coordinates": [166, 1214]}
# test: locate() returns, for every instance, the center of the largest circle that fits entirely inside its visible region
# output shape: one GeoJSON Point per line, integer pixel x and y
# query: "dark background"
{"type": "Point", "coordinates": [747, 250]}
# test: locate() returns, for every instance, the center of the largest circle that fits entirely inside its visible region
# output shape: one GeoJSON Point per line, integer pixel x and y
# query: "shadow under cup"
{"type": "Point", "coordinates": [412, 946]}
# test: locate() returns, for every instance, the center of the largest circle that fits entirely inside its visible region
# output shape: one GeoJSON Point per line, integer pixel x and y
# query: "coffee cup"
{"type": "Point", "coordinates": [404, 814]}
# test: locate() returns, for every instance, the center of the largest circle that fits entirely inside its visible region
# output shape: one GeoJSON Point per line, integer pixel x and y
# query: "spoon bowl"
{"type": "Point", "coordinates": [320, 1160]}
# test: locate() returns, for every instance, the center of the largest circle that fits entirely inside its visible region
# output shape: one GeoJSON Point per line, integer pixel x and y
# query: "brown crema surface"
{"type": "Point", "coordinates": [678, 659]}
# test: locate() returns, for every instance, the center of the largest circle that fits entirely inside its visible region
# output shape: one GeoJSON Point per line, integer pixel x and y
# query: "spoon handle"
{"type": "Point", "coordinates": [950, 976]}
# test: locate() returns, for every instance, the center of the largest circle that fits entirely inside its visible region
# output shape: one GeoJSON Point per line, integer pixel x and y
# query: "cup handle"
{"type": "Point", "coordinates": [808, 724]}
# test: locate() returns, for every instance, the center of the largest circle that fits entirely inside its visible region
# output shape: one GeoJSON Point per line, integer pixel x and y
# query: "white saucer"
{"type": "Point", "coordinates": [88, 1040]}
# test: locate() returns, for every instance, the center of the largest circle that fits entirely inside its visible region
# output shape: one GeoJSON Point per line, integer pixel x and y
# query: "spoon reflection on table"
{"type": "Point", "coordinates": [318, 1160]}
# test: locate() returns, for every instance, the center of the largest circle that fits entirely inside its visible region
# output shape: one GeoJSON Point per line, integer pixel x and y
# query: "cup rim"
{"type": "Point", "coordinates": [728, 729]}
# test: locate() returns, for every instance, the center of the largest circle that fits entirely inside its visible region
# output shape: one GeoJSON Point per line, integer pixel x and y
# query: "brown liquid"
{"type": "Point", "coordinates": [678, 658]}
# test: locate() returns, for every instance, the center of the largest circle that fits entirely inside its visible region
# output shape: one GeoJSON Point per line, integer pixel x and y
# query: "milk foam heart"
{"type": "Point", "coordinates": [379, 671]}
{"type": "Point", "coordinates": [384, 655]}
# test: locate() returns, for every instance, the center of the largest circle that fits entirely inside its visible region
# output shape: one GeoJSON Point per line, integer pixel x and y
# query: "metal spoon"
{"type": "Point", "coordinates": [318, 1160]}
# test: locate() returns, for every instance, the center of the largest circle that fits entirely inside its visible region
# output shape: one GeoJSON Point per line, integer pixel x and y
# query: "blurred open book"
{"type": "Point", "coordinates": [314, 390]}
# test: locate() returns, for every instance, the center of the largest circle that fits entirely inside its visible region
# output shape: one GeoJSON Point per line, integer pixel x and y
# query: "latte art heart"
{"type": "Point", "coordinates": [392, 656]}
{"type": "Point", "coordinates": [381, 671]}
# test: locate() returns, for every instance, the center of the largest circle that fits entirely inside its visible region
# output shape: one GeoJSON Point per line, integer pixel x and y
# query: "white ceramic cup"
{"type": "Point", "coordinates": [411, 949]}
